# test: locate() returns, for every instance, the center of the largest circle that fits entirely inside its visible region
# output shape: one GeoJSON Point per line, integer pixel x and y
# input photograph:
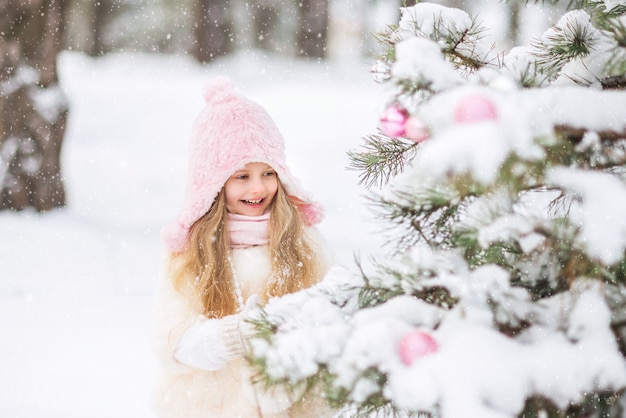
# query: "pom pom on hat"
{"type": "Point", "coordinates": [219, 90]}
{"type": "Point", "coordinates": [230, 132]}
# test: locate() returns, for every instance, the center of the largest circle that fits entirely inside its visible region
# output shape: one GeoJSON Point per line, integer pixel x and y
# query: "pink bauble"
{"type": "Point", "coordinates": [416, 130]}
{"type": "Point", "coordinates": [475, 109]}
{"type": "Point", "coordinates": [393, 121]}
{"type": "Point", "coordinates": [416, 344]}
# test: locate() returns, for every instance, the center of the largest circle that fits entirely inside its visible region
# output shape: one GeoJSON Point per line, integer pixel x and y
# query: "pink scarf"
{"type": "Point", "coordinates": [247, 231]}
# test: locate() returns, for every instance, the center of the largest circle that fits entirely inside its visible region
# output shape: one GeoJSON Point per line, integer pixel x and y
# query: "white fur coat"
{"type": "Point", "coordinates": [187, 392]}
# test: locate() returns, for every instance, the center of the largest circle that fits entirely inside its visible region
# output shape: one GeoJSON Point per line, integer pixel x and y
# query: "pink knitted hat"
{"type": "Point", "coordinates": [230, 132]}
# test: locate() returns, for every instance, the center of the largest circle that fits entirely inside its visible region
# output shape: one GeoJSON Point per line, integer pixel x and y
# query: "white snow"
{"type": "Point", "coordinates": [610, 4]}
{"type": "Point", "coordinates": [477, 371]}
{"type": "Point", "coordinates": [600, 214]}
{"type": "Point", "coordinates": [302, 344]}
{"type": "Point", "coordinates": [590, 68]}
{"type": "Point", "coordinates": [520, 64]}
{"type": "Point", "coordinates": [49, 102]}
{"type": "Point", "coordinates": [424, 20]}
{"type": "Point", "coordinates": [420, 61]}
{"type": "Point", "coordinates": [76, 284]}
{"type": "Point", "coordinates": [464, 376]}
{"type": "Point", "coordinates": [603, 110]}
{"type": "Point", "coordinates": [24, 75]}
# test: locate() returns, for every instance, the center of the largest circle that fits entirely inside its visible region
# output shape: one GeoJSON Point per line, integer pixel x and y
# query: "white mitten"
{"type": "Point", "coordinates": [250, 311]}
{"type": "Point", "coordinates": [210, 343]}
{"type": "Point", "coordinates": [235, 330]}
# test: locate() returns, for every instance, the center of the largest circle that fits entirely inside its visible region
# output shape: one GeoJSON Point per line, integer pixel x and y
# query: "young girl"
{"type": "Point", "coordinates": [244, 234]}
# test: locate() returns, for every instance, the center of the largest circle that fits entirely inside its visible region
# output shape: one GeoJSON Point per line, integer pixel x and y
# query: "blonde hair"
{"type": "Point", "coordinates": [203, 272]}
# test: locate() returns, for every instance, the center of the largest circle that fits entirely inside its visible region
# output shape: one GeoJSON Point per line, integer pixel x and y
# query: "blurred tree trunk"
{"type": "Point", "coordinates": [101, 11]}
{"type": "Point", "coordinates": [33, 109]}
{"type": "Point", "coordinates": [313, 28]}
{"type": "Point", "coordinates": [213, 29]}
{"type": "Point", "coordinates": [87, 21]}
{"type": "Point", "coordinates": [514, 22]}
{"type": "Point", "coordinates": [265, 20]}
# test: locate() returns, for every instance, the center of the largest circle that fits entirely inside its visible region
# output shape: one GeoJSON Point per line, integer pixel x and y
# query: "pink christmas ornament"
{"type": "Point", "coordinates": [475, 108]}
{"type": "Point", "coordinates": [416, 344]}
{"type": "Point", "coordinates": [393, 121]}
{"type": "Point", "coordinates": [416, 130]}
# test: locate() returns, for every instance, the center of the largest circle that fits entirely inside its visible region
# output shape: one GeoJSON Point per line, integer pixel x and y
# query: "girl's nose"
{"type": "Point", "coordinates": [257, 186]}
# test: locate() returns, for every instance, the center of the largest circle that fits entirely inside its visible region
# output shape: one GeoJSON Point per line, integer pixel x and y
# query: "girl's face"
{"type": "Point", "coordinates": [250, 191]}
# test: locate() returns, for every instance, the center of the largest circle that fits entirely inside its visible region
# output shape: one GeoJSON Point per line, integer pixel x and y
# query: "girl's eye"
{"type": "Point", "coordinates": [270, 173]}
{"type": "Point", "coordinates": [241, 177]}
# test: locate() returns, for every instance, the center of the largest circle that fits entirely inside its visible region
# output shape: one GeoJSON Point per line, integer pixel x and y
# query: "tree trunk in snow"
{"type": "Point", "coordinates": [86, 25]}
{"type": "Point", "coordinates": [33, 109]}
{"type": "Point", "coordinates": [265, 20]}
{"type": "Point", "coordinates": [213, 29]}
{"type": "Point", "coordinates": [101, 11]}
{"type": "Point", "coordinates": [313, 28]}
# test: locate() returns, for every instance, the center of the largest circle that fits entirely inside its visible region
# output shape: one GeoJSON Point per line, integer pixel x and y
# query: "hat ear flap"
{"type": "Point", "coordinates": [310, 212]}
{"type": "Point", "coordinates": [219, 90]}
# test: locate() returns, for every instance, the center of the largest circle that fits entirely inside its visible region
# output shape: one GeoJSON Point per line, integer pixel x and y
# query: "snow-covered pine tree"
{"type": "Point", "coordinates": [505, 177]}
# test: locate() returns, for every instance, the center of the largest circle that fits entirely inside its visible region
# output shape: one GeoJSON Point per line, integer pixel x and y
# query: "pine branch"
{"type": "Point", "coordinates": [617, 28]}
{"type": "Point", "coordinates": [382, 158]}
{"type": "Point", "coordinates": [575, 135]}
{"type": "Point", "coordinates": [384, 410]}
{"type": "Point", "coordinates": [375, 405]}
{"type": "Point", "coordinates": [414, 226]}
{"type": "Point", "coordinates": [370, 295]}
{"type": "Point", "coordinates": [387, 40]}
{"type": "Point", "coordinates": [615, 83]}
{"type": "Point", "coordinates": [460, 45]}
{"type": "Point", "coordinates": [603, 150]}
{"type": "Point", "coordinates": [618, 10]}
{"type": "Point", "coordinates": [467, 41]}
{"type": "Point", "coordinates": [616, 67]}
{"type": "Point", "coordinates": [594, 405]}
{"type": "Point", "coordinates": [562, 45]}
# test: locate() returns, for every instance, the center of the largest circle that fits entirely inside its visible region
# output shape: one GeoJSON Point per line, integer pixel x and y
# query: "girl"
{"type": "Point", "coordinates": [244, 235]}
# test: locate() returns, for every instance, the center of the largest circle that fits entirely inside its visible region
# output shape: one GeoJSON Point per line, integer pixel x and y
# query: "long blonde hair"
{"type": "Point", "coordinates": [203, 271]}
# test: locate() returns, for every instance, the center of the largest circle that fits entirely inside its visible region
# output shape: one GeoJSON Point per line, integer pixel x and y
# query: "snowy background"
{"type": "Point", "coordinates": [77, 283]}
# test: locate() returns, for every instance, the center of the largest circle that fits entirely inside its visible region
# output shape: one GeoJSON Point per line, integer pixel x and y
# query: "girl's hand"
{"type": "Point", "coordinates": [211, 343]}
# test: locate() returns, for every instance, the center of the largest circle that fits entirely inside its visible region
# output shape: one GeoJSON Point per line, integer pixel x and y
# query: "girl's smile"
{"type": "Point", "coordinates": [251, 190]}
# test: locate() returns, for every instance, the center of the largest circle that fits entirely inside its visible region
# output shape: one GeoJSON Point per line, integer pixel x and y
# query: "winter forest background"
{"type": "Point", "coordinates": [96, 104]}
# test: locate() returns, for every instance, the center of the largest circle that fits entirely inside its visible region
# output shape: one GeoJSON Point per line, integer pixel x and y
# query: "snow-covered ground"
{"type": "Point", "coordinates": [77, 284]}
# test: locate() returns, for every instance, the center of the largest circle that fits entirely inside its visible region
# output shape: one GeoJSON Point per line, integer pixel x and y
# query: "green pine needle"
{"type": "Point", "coordinates": [564, 45]}
{"type": "Point", "coordinates": [382, 158]}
